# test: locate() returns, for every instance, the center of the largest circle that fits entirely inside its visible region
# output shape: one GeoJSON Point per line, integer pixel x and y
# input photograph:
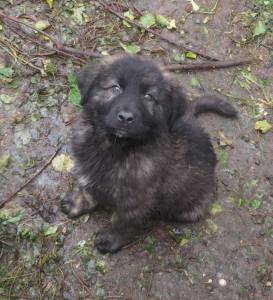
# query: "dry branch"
{"type": "Point", "coordinates": [208, 66]}
{"type": "Point", "coordinates": [3, 203]}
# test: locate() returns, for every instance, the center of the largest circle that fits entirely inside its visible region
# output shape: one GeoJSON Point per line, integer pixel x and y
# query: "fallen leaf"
{"type": "Point", "coordinates": [50, 3]}
{"type": "Point", "coordinates": [74, 95]}
{"type": "Point", "coordinates": [49, 67]}
{"type": "Point", "coordinates": [183, 242]}
{"type": "Point", "coordinates": [259, 29]}
{"type": "Point", "coordinates": [191, 55]}
{"type": "Point", "coordinates": [179, 57]}
{"type": "Point", "coordinates": [131, 49]}
{"type": "Point", "coordinates": [6, 74]}
{"type": "Point", "coordinates": [6, 98]}
{"type": "Point", "coordinates": [147, 20]}
{"type": "Point", "coordinates": [78, 14]}
{"type": "Point", "coordinates": [42, 25]}
{"type": "Point", "coordinates": [195, 6]}
{"type": "Point", "coordinates": [4, 161]}
{"type": "Point", "coordinates": [164, 22]}
{"type": "Point", "coordinates": [195, 82]}
{"type": "Point", "coordinates": [50, 230]}
{"type": "Point", "coordinates": [128, 14]}
{"type": "Point", "coordinates": [216, 209]}
{"type": "Point", "coordinates": [212, 227]}
{"type": "Point", "coordinates": [62, 163]}
{"type": "Point", "coordinates": [263, 126]}
{"type": "Point", "coordinates": [224, 141]}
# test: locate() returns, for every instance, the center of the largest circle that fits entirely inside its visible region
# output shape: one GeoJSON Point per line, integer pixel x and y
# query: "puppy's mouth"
{"type": "Point", "coordinates": [120, 133]}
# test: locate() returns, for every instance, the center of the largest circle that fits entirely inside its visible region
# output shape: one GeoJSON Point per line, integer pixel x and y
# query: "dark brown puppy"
{"type": "Point", "coordinates": [134, 152]}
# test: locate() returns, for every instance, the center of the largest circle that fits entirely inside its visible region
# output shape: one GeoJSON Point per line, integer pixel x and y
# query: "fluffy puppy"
{"type": "Point", "coordinates": [135, 152]}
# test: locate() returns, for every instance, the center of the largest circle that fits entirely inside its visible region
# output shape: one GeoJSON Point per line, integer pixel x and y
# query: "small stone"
{"type": "Point", "coordinates": [210, 281]}
{"type": "Point", "coordinates": [91, 266]}
{"type": "Point", "coordinates": [222, 282]}
{"type": "Point", "coordinates": [268, 284]}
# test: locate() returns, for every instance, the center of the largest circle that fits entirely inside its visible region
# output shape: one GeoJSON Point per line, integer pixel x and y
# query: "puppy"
{"type": "Point", "coordinates": [135, 152]}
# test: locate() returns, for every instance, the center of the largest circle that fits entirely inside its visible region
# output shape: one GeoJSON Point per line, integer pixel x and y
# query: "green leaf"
{"type": "Point", "coordinates": [147, 20]}
{"type": "Point", "coordinates": [243, 202]}
{"type": "Point", "coordinates": [255, 204]}
{"type": "Point", "coordinates": [6, 99]}
{"type": "Point", "coordinates": [14, 218]}
{"type": "Point", "coordinates": [4, 161]}
{"type": "Point", "coordinates": [6, 74]}
{"type": "Point", "coordinates": [74, 95]}
{"type": "Point", "coordinates": [191, 55]}
{"type": "Point", "coordinates": [259, 29]}
{"type": "Point", "coordinates": [194, 82]}
{"type": "Point", "coordinates": [50, 3]}
{"type": "Point", "coordinates": [263, 126]}
{"type": "Point", "coordinates": [50, 230]}
{"type": "Point", "coordinates": [131, 49]}
{"type": "Point", "coordinates": [216, 209]}
{"type": "Point", "coordinates": [164, 22]}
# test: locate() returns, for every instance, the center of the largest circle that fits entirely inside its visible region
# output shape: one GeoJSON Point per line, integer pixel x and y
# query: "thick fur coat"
{"type": "Point", "coordinates": [137, 152]}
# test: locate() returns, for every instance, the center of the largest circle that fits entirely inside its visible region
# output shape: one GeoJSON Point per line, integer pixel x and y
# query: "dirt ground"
{"type": "Point", "coordinates": [44, 255]}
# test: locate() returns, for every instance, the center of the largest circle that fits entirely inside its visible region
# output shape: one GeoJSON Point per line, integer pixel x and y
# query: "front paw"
{"type": "Point", "coordinates": [75, 204]}
{"type": "Point", "coordinates": [109, 241]}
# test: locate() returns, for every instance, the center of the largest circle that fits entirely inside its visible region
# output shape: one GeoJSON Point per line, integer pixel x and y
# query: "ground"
{"type": "Point", "coordinates": [43, 254]}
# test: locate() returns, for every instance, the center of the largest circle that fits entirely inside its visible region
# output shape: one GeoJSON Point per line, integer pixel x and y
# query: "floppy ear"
{"type": "Point", "coordinates": [178, 104]}
{"type": "Point", "coordinates": [85, 80]}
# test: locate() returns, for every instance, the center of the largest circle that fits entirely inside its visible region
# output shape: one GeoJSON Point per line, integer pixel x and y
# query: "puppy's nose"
{"type": "Point", "coordinates": [125, 116]}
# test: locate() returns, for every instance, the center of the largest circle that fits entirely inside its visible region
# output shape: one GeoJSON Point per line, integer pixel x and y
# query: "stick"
{"type": "Point", "coordinates": [3, 203]}
{"type": "Point", "coordinates": [140, 26]}
{"type": "Point", "coordinates": [58, 45]}
{"type": "Point", "coordinates": [208, 65]}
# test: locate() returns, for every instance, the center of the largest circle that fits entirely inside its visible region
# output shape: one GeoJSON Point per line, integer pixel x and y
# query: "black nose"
{"type": "Point", "coordinates": [124, 116]}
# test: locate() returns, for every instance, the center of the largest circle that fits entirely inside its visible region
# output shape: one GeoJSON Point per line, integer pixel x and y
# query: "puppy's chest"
{"type": "Point", "coordinates": [117, 177]}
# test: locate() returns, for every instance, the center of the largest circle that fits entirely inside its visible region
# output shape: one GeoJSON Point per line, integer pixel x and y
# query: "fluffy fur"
{"type": "Point", "coordinates": [135, 152]}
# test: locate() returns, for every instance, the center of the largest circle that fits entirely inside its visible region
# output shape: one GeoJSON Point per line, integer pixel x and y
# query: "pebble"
{"type": "Point", "coordinates": [222, 282]}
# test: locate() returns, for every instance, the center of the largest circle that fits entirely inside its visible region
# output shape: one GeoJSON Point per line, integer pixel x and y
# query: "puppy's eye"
{"type": "Point", "coordinates": [150, 98]}
{"type": "Point", "coordinates": [115, 89]}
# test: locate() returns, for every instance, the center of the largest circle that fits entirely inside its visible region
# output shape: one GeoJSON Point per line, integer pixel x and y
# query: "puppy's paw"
{"type": "Point", "coordinates": [76, 204]}
{"type": "Point", "coordinates": [109, 241]}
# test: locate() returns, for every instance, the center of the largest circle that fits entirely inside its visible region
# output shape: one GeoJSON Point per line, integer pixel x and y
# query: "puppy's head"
{"type": "Point", "coordinates": [130, 97]}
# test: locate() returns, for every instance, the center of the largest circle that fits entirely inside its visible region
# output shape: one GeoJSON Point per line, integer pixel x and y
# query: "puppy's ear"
{"type": "Point", "coordinates": [85, 80]}
{"type": "Point", "coordinates": [178, 104]}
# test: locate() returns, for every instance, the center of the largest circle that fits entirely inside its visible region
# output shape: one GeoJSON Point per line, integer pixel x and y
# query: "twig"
{"type": "Point", "coordinates": [140, 26]}
{"type": "Point", "coordinates": [3, 203]}
{"type": "Point", "coordinates": [58, 46]}
{"type": "Point", "coordinates": [212, 12]}
{"type": "Point", "coordinates": [37, 42]}
{"type": "Point", "coordinates": [208, 65]}
{"type": "Point", "coordinates": [80, 280]}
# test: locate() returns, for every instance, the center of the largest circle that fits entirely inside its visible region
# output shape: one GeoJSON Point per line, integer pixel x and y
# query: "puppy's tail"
{"type": "Point", "coordinates": [211, 103]}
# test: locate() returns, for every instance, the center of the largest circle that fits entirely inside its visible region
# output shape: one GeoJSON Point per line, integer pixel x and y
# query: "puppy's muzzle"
{"type": "Point", "coordinates": [125, 117]}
